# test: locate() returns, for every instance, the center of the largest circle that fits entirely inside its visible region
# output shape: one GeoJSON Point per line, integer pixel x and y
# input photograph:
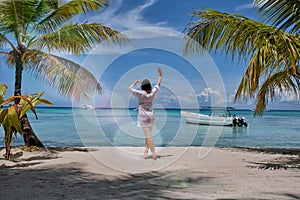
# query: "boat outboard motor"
{"type": "Point", "coordinates": [241, 122]}
{"type": "Point", "coordinates": [234, 121]}
{"type": "Point", "coordinates": [245, 123]}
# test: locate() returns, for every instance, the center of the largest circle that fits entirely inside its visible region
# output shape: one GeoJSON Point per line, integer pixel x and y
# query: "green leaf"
{"type": "Point", "coordinates": [2, 92]}
{"type": "Point", "coordinates": [44, 101]}
{"type": "Point", "coordinates": [10, 99]}
{"type": "Point", "coordinates": [14, 118]}
{"type": "Point", "coordinates": [11, 124]}
{"type": "Point", "coordinates": [25, 109]}
{"type": "Point", "coordinates": [13, 98]}
{"type": "Point", "coordinates": [3, 113]}
{"type": "Point", "coordinates": [7, 129]}
{"type": "Point", "coordinates": [34, 101]}
{"type": "Point", "coordinates": [36, 97]}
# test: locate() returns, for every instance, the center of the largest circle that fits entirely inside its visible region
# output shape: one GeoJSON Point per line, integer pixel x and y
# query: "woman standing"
{"type": "Point", "coordinates": [145, 111]}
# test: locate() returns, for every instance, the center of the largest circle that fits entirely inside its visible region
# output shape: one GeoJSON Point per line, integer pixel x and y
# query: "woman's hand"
{"type": "Point", "coordinates": [159, 71]}
{"type": "Point", "coordinates": [134, 83]}
{"type": "Point", "coordinates": [137, 82]}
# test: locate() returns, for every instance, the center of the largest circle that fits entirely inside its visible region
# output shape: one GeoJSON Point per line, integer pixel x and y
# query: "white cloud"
{"type": "Point", "coordinates": [208, 92]}
{"type": "Point", "coordinates": [132, 23]}
{"type": "Point", "coordinates": [280, 99]}
{"type": "Point", "coordinates": [230, 98]}
{"type": "Point", "coordinates": [243, 103]}
{"type": "Point", "coordinates": [244, 6]}
{"type": "Point", "coordinates": [187, 99]}
{"type": "Point", "coordinates": [122, 20]}
{"type": "Point", "coordinates": [150, 32]}
{"type": "Point", "coordinates": [175, 101]}
{"type": "Point", "coordinates": [216, 97]}
{"type": "Point", "coordinates": [288, 97]}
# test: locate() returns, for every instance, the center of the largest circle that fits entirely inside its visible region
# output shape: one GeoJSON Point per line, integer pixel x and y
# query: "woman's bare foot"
{"type": "Point", "coordinates": [145, 155]}
{"type": "Point", "coordinates": [154, 155]}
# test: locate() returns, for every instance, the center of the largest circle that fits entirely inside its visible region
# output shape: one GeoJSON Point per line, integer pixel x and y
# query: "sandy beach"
{"type": "Point", "coordinates": [122, 173]}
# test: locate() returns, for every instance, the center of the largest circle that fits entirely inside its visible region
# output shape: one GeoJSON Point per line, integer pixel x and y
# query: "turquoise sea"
{"type": "Point", "coordinates": [117, 127]}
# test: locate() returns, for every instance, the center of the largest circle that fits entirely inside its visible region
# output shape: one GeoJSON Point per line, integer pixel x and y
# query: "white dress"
{"type": "Point", "coordinates": [145, 111]}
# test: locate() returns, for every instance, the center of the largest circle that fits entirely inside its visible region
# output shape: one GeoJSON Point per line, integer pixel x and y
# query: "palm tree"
{"type": "Point", "coordinates": [273, 53]}
{"type": "Point", "coordinates": [31, 29]}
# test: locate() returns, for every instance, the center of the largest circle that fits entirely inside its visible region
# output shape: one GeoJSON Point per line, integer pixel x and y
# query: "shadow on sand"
{"type": "Point", "coordinates": [292, 162]}
{"type": "Point", "coordinates": [64, 182]}
{"type": "Point", "coordinates": [72, 182]}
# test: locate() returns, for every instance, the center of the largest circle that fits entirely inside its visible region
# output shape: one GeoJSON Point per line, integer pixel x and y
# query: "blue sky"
{"type": "Point", "coordinates": [155, 27]}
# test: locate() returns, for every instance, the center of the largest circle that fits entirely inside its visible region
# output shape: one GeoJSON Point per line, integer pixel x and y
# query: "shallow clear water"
{"type": "Point", "coordinates": [117, 127]}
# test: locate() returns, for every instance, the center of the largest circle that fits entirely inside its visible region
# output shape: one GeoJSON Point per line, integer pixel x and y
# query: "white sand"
{"type": "Point", "coordinates": [122, 173]}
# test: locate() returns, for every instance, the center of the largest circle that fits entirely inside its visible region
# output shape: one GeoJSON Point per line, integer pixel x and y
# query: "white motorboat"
{"type": "Point", "coordinates": [197, 118]}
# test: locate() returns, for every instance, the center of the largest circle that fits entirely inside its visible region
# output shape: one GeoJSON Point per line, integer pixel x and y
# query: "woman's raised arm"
{"type": "Point", "coordinates": [160, 75]}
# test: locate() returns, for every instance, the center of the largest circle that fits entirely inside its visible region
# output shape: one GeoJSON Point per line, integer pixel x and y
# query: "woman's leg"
{"type": "Point", "coordinates": [146, 149]}
{"type": "Point", "coordinates": [149, 141]}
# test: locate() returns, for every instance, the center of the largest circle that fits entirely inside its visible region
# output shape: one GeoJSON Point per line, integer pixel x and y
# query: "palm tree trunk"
{"type": "Point", "coordinates": [30, 139]}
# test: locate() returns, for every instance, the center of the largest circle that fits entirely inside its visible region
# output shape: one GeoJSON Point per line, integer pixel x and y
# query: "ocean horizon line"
{"type": "Point", "coordinates": [202, 108]}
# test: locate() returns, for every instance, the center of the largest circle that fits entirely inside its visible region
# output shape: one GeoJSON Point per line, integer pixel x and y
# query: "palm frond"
{"type": "Point", "coordinates": [79, 38]}
{"type": "Point", "coordinates": [16, 16]}
{"type": "Point", "coordinates": [285, 80]}
{"type": "Point", "coordinates": [4, 41]}
{"type": "Point", "coordinates": [235, 35]}
{"type": "Point", "coordinates": [9, 19]}
{"type": "Point", "coordinates": [270, 49]}
{"type": "Point", "coordinates": [279, 55]}
{"type": "Point", "coordinates": [10, 59]}
{"type": "Point", "coordinates": [219, 31]}
{"type": "Point", "coordinates": [69, 78]}
{"type": "Point", "coordinates": [284, 14]}
{"type": "Point", "coordinates": [65, 12]}
{"type": "Point", "coordinates": [239, 36]}
{"type": "Point", "coordinates": [34, 11]}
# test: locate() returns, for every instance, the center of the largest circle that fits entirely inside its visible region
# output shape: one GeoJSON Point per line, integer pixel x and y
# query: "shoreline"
{"type": "Point", "coordinates": [268, 150]}
{"type": "Point", "coordinates": [122, 173]}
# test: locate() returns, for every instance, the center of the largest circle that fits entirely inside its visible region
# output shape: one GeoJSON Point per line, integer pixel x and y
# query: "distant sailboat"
{"type": "Point", "coordinates": [88, 107]}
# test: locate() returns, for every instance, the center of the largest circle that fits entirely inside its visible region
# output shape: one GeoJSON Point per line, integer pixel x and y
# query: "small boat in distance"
{"type": "Point", "coordinates": [201, 119]}
{"type": "Point", "coordinates": [88, 107]}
